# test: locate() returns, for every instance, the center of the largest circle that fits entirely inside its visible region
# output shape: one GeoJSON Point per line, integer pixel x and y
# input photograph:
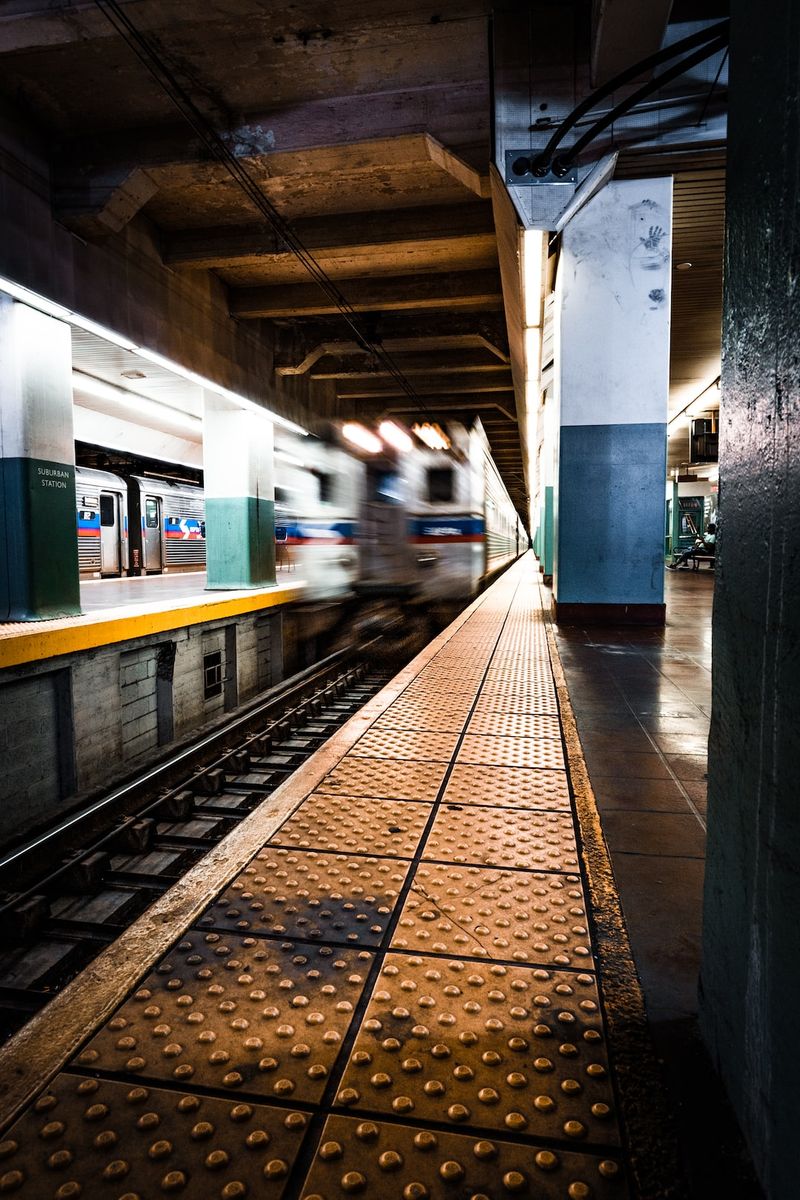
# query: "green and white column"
{"type": "Point", "coordinates": [38, 545]}
{"type": "Point", "coordinates": [240, 507]}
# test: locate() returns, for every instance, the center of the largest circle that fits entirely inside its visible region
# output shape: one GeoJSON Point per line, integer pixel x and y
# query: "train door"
{"type": "Point", "coordinates": [385, 553]}
{"type": "Point", "coordinates": [110, 534]}
{"type": "Point", "coordinates": [151, 533]}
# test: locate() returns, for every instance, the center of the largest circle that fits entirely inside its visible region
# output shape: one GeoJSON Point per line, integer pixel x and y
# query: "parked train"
{"type": "Point", "coordinates": [427, 526]}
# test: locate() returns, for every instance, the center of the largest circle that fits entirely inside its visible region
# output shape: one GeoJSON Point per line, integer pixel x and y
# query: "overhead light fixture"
{"type": "Point", "coordinates": [432, 435]}
{"type": "Point", "coordinates": [393, 435]}
{"type": "Point", "coordinates": [532, 276]}
{"type": "Point", "coordinates": [140, 405]}
{"type": "Point", "coordinates": [684, 266]}
{"type": "Point", "coordinates": [133, 375]}
{"type": "Point", "coordinates": [52, 309]}
{"type": "Point", "coordinates": [360, 436]}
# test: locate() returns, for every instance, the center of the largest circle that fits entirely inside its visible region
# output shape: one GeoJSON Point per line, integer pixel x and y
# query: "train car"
{"type": "Point", "coordinates": [436, 524]}
{"type": "Point", "coordinates": [101, 500]}
{"type": "Point", "coordinates": [317, 489]}
{"type": "Point", "coordinates": [167, 526]}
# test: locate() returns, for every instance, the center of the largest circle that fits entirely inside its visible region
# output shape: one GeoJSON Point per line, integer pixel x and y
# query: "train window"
{"type": "Point", "coordinates": [386, 486]}
{"type": "Point", "coordinates": [440, 485]}
{"type": "Point", "coordinates": [212, 674]}
{"type": "Point", "coordinates": [108, 514]}
{"type": "Point", "coordinates": [281, 495]}
{"type": "Point", "coordinates": [151, 513]}
{"type": "Point", "coordinates": [324, 486]}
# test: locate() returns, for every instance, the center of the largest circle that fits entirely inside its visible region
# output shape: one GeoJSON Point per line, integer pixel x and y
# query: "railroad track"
{"type": "Point", "coordinates": [71, 891]}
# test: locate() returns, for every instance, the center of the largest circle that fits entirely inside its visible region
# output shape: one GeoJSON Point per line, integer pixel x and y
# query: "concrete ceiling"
{"type": "Point", "coordinates": [367, 127]}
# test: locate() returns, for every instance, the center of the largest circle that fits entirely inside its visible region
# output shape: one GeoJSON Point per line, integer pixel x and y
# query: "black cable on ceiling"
{"type": "Point", "coordinates": [561, 163]}
{"type": "Point", "coordinates": [217, 148]}
{"type": "Point", "coordinates": [540, 164]}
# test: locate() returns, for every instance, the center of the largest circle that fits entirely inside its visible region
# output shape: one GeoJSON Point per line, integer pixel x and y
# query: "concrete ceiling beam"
{"type": "Point", "coordinates": [237, 246]}
{"type": "Point", "coordinates": [435, 363]}
{"type": "Point", "coordinates": [623, 32]}
{"type": "Point", "coordinates": [392, 294]}
{"type": "Point", "coordinates": [98, 206]}
{"type": "Point", "coordinates": [394, 346]}
{"type": "Point", "coordinates": [427, 386]}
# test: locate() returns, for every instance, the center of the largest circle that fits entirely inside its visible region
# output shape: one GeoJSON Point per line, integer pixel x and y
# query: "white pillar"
{"type": "Point", "coordinates": [240, 508]}
{"type": "Point", "coordinates": [613, 379]}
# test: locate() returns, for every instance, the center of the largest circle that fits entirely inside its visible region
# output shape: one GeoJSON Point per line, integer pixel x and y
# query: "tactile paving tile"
{"type": "Point", "coordinates": [503, 837]}
{"type": "Point", "coordinates": [505, 724]}
{"type": "Point", "coordinates": [355, 825]}
{"type": "Point", "coordinates": [405, 1162]}
{"type": "Point", "coordinates": [517, 698]}
{"type": "Point", "coordinates": [511, 916]}
{"type": "Point", "coordinates": [95, 1137]}
{"type": "Point", "coordinates": [483, 749]}
{"type": "Point", "coordinates": [419, 716]}
{"type": "Point", "coordinates": [304, 894]}
{"type": "Point", "coordinates": [384, 778]}
{"type": "Point", "coordinates": [508, 787]}
{"type": "Point", "coordinates": [494, 1047]}
{"type": "Point", "coordinates": [245, 1014]}
{"type": "Point", "coordinates": [402, 743]}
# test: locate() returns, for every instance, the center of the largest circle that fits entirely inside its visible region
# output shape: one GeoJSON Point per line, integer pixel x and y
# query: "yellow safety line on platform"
{"type": "Point", "coordinates": [51, 639]}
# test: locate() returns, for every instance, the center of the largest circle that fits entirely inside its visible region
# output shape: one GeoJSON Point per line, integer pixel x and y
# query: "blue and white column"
{"type": "Point", "coordinates": [612, 368]}
{"type": "Point", "coordinates": [240, 496]}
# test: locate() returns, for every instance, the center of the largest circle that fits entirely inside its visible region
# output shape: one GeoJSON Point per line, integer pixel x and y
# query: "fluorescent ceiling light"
{"type": "Point", "coordinates": [52, 309]}
{"type": "Point", "coordinates": [532, 276]}
{"type": "Point", "coordinates": [136, 403]}
{"type": "Point", "coordinates": [432, 435]}
{"type": "Point", "coordinates": [393, 435]}
{"type": "Point", "coordinates": [359, 435]}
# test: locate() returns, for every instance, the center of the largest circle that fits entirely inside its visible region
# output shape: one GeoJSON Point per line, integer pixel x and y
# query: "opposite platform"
{"type": "Point", "coordinates": [385, 982]}
{"type": "Point", "coordinates": [121, 610]}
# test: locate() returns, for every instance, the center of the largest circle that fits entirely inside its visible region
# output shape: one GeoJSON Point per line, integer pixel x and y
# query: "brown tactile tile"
{"type": "Point", "coordinates": [355, 825]}
{"type": "Point", "coordinates": [517, 698]}
{"type": "Point", "coordinates": [503, 837]}
{"type": "Point", "coordinates": [497, 722]}
{"type": "Point", "coordinates": [484, 912]}
{"type": "Point", "coordinates": [512, 787]}
{"type": "Point", "coordinates": [506, 1048]}
{"type": "Point", "coordinates": [384, 778]}
{"type": "Point", "coordinates": [406, 1162]}
{"type": "Point", "coordinates": [242, 1013]}
{"type": "Point", "coordinates": [93, 1137]}
{"type": "Point", "coordinates": [423, 717]}
{"type": "Point", "coordinates": [512, 752]}
{"type": "Point", "coordinates": [305, 894]}
{"type": "Point", "coordinates": [424, 746]}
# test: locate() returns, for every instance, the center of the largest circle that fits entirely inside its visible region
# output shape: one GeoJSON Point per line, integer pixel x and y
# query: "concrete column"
{"type": "Point", "coordinates": [240, 508]}
{"type": "Point", "coordinates": [612, 372]}
{"type": "Point", "coordinates": [38, 548]}
{"type": "Point", "coordinates": [750, 976]}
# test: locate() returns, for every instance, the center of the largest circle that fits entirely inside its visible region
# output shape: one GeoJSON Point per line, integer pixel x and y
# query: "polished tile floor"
{"type": "Point", "coordinates": [642, 702]}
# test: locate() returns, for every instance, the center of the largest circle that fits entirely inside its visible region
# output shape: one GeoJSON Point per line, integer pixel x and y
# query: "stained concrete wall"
{"type": "Point", "coordinates": [104, 713]}
{"type": "Point", "coordinates": [750, 981]}
{"type": "Point", "coordinates": [122, 283]}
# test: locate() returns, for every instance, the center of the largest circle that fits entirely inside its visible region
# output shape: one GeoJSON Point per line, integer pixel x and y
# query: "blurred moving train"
{"type": "Point", "coordinates": [428, 526]}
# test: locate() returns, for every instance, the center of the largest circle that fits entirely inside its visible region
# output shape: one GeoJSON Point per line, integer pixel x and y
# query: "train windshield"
{"type": "Point", "coordinates": [387, 487]}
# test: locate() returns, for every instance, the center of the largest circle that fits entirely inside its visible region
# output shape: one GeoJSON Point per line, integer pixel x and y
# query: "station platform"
{"type": "Point", "coordinates": [405, 975]}
{"type": "Point", "coordinates": [121, 610]}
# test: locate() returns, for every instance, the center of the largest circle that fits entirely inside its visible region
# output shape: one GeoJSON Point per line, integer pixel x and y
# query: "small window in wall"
{"type": "Point", "coordinates": [107, 510]}
{"type": "Point", "coordinates": [151, 513]}
{"type": "Point", "coordinates": [440, 485]}
{"type": "Point", "coordinates": [212, 674]}
{"type": "Point", "coordinates": [324, 486]}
